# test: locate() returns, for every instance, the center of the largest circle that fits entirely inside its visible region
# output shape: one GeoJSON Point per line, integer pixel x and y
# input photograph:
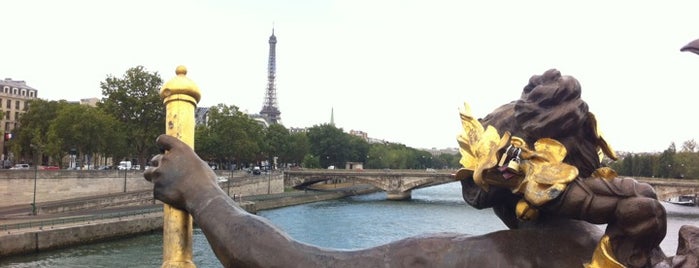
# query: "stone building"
{"type": "Point", "coordinates": [14, 101]}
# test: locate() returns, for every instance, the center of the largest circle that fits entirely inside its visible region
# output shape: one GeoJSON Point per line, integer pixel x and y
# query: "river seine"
{"type": "Point", "coordinates": [350, 223]}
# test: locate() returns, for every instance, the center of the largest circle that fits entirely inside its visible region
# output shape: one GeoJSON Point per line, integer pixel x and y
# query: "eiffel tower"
{"type": "Point", "coordinates": [270, 110]}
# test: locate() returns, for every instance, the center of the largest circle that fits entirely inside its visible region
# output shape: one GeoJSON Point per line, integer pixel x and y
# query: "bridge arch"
{"type": "Point", "coordinates": [397, 184]}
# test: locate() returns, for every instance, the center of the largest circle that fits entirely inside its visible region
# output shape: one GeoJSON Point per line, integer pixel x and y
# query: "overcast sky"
{"type": "Point", "coordinates": [398, 70]}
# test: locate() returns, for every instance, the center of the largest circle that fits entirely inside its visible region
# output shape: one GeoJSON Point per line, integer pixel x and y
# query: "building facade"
{"type": "Point", "coordinates": [14, 101]}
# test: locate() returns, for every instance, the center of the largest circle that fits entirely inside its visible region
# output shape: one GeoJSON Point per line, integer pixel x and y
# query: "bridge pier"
{"type": "Point", "coordinates": [398, 195]}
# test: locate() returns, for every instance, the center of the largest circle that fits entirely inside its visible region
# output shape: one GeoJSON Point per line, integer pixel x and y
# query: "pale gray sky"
{"type": "Point", "coordinates": [398, 70]}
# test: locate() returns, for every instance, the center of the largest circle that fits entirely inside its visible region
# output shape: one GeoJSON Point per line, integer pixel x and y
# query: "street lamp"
{"type": "Point", "coordinates": [125, 170]}
{"type": "Point", "coordinates": [36, 172]}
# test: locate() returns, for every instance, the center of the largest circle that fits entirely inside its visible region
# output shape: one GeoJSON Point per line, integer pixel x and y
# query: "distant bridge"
{"type": "Point", "coordinates": [668, 188]}
{"type": "Point", "coordinates": [397, 184]}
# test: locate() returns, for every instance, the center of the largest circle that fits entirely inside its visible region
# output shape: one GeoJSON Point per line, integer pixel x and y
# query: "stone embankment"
{"type": "Point", "coordinates": [88, 220]}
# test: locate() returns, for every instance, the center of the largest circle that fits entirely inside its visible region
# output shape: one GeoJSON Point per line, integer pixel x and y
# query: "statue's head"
{"type": "Point", "coordinates": [550, 107]}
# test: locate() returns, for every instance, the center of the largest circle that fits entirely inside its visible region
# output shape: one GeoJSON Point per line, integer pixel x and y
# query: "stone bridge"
{"type": "Point", "coordinates": [397, 184]}
{"type": "Point", "coordinates": [668, 188]}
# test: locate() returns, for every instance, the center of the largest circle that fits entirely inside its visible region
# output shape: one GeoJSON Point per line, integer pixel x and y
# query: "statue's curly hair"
{"type": "Point", "coordinates": [550, 107]}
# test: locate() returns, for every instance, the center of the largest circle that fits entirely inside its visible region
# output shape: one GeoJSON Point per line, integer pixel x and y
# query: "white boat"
{"type": "Point", "coordinates": [685, 200]}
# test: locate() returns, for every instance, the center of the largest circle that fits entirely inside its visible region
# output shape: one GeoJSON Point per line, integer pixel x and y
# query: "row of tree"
{"type": "Point", "coordinates": [671, 163]}
{"type": "Point", "coordinates": [231, 137]}
{"type": "Point", "coordinates": [123, 125]}
{"type": "Point", "coordinates": [131, 114]}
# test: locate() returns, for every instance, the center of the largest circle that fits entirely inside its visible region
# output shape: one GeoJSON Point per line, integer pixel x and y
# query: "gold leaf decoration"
{"type": "Point", "coordinates": [478, 146]}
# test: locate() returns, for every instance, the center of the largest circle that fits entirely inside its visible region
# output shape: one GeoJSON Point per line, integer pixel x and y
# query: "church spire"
{"type": "Point", "coordinates": [332, 116]}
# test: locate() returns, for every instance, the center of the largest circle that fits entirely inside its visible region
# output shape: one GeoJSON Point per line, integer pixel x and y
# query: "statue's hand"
{"type": "Point", "coordinates": [178, 174]}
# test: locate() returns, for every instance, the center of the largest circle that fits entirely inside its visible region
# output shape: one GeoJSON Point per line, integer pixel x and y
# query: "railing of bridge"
{"type": "Point", "coordinates": [374, 172]}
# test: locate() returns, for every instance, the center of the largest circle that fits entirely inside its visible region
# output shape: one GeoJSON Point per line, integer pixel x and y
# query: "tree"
{"type": "Point", "coordinates": [329, 144]}
{"type": "Point", "coordinates": [87, 129]}
{"type": "Point", "coordinates": [230, 136]}
{"type": "Point", "coordinates": [299, 147]}
{"type": "Point", "coordinates": [34, 129]}
{"type": "Point", "coordinates": [358, 149]}
{"type": "Point", "coordinates": [134, 100]}
{"type": "Point", "coordinates": [689, 146]}
{"type": "Point", "coordinates": [277, 140]}
{"type": "Point", "coordinates": [667, 161]}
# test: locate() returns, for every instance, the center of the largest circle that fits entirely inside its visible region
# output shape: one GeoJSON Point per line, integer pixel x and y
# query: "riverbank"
{"type": "Point", "coordinates": [60, 230]}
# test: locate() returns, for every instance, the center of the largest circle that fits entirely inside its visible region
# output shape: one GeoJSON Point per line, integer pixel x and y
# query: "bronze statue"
{"type": "Point", "coordinates": [692, 47]}
{"type": "Point", "coordinates": [536, 161]}
{"type": "Point", "coordinates": [561, 175]}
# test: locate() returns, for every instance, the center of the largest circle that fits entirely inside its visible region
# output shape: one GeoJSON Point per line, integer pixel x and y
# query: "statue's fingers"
{"type": "Point", "coordinates": [151, 172]}
{"type": "Point", "coordinates": [166, 142]}
{"type": "Point", "coordinates": [155, 161]}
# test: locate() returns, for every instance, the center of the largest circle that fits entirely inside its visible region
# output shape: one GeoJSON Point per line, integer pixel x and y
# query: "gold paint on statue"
{"type": "Point", "coordinates": [605, 173]}
{"type": "Point", "coordinates": [604, 147]}
{"type": "Point", "coordinates": [525, 211]}
{"type": "Point", "coordinates": [541, 176]}
{"type": "Point", "coordinates": [546, 176]}
{"type": "Point", "coordinates": [479, 147]}
{"type": "Point", "coordinates": [180, 96]}
{"type": "Point", "coordinates": [603, 256]}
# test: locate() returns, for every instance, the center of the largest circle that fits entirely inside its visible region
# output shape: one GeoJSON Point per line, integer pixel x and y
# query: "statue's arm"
{"type": "Point", "coordinates": [241, 239]}
{"type": "Point", "coordinates": [182, 180]}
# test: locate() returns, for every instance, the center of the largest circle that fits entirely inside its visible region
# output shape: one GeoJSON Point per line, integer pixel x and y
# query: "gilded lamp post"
{"type": "Point", "coordinates": [180, 96]}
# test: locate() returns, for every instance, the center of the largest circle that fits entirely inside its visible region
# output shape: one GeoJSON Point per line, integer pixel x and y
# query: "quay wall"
{"type": "Point", "coordinates": [17, 186]}
{"type": "Point", "coordinates": [60, 237]}
{"type": "Point", "coordinates": [15, 242]}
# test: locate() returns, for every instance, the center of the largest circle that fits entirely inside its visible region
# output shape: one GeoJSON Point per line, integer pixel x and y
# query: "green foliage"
{"type": "Point", "coordinates": [310, 161]}
{"type": "Point", "coordinates": [330, 144]}
{"type": "Point", "coordinates": [668, 164]}
{"type": "Point", "coordinates": [277, 141]}
{"type": "Point", "coordinates": [299, 147]}
{"type": "Point", "coordinates": [230, 136]}
{"type": "Point", "coordinates": [358, 149]}
{"type": "Point", "coordinates": [134, 100]}
{"type": "Point", "coordinates": [34, 128]}
{"type": "Point", "coordinates": [131, 114]}
{"type": "Point", "coordinates": [56, 127]}
{"type": "Point", "coordinates": [87, 129]}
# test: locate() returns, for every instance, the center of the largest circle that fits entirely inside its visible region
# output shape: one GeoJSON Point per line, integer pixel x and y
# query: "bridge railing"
{"type": "Point", "coordinates": [372, 172]}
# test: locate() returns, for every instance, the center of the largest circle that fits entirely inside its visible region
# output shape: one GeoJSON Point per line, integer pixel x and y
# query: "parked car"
{"type": "Point", "coordinates": [50, 168]}
{"type": "Point", "coordinates": [124, 165]}
{"type": "Point", "coordinates": [20, 166]}
{"type": "Point", "coordinates": [256, 171]}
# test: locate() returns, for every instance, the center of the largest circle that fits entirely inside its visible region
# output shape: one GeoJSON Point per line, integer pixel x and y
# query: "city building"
{"type": "Point", "coordinates": [92, 102]}
{"type": "Point", "coordinates": [14, 101]}
{"type": "Point", "coordinates": [201, 115]}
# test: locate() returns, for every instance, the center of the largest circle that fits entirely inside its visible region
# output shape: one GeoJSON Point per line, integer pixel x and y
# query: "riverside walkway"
{"type": "Point", "coordinates": [21, 232]}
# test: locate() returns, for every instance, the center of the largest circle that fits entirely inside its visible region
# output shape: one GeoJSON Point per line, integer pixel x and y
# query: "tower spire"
{"type": "Point", "coordinates": [270, 110]}
{"type": "Point", "coordinates": [332, 116]}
